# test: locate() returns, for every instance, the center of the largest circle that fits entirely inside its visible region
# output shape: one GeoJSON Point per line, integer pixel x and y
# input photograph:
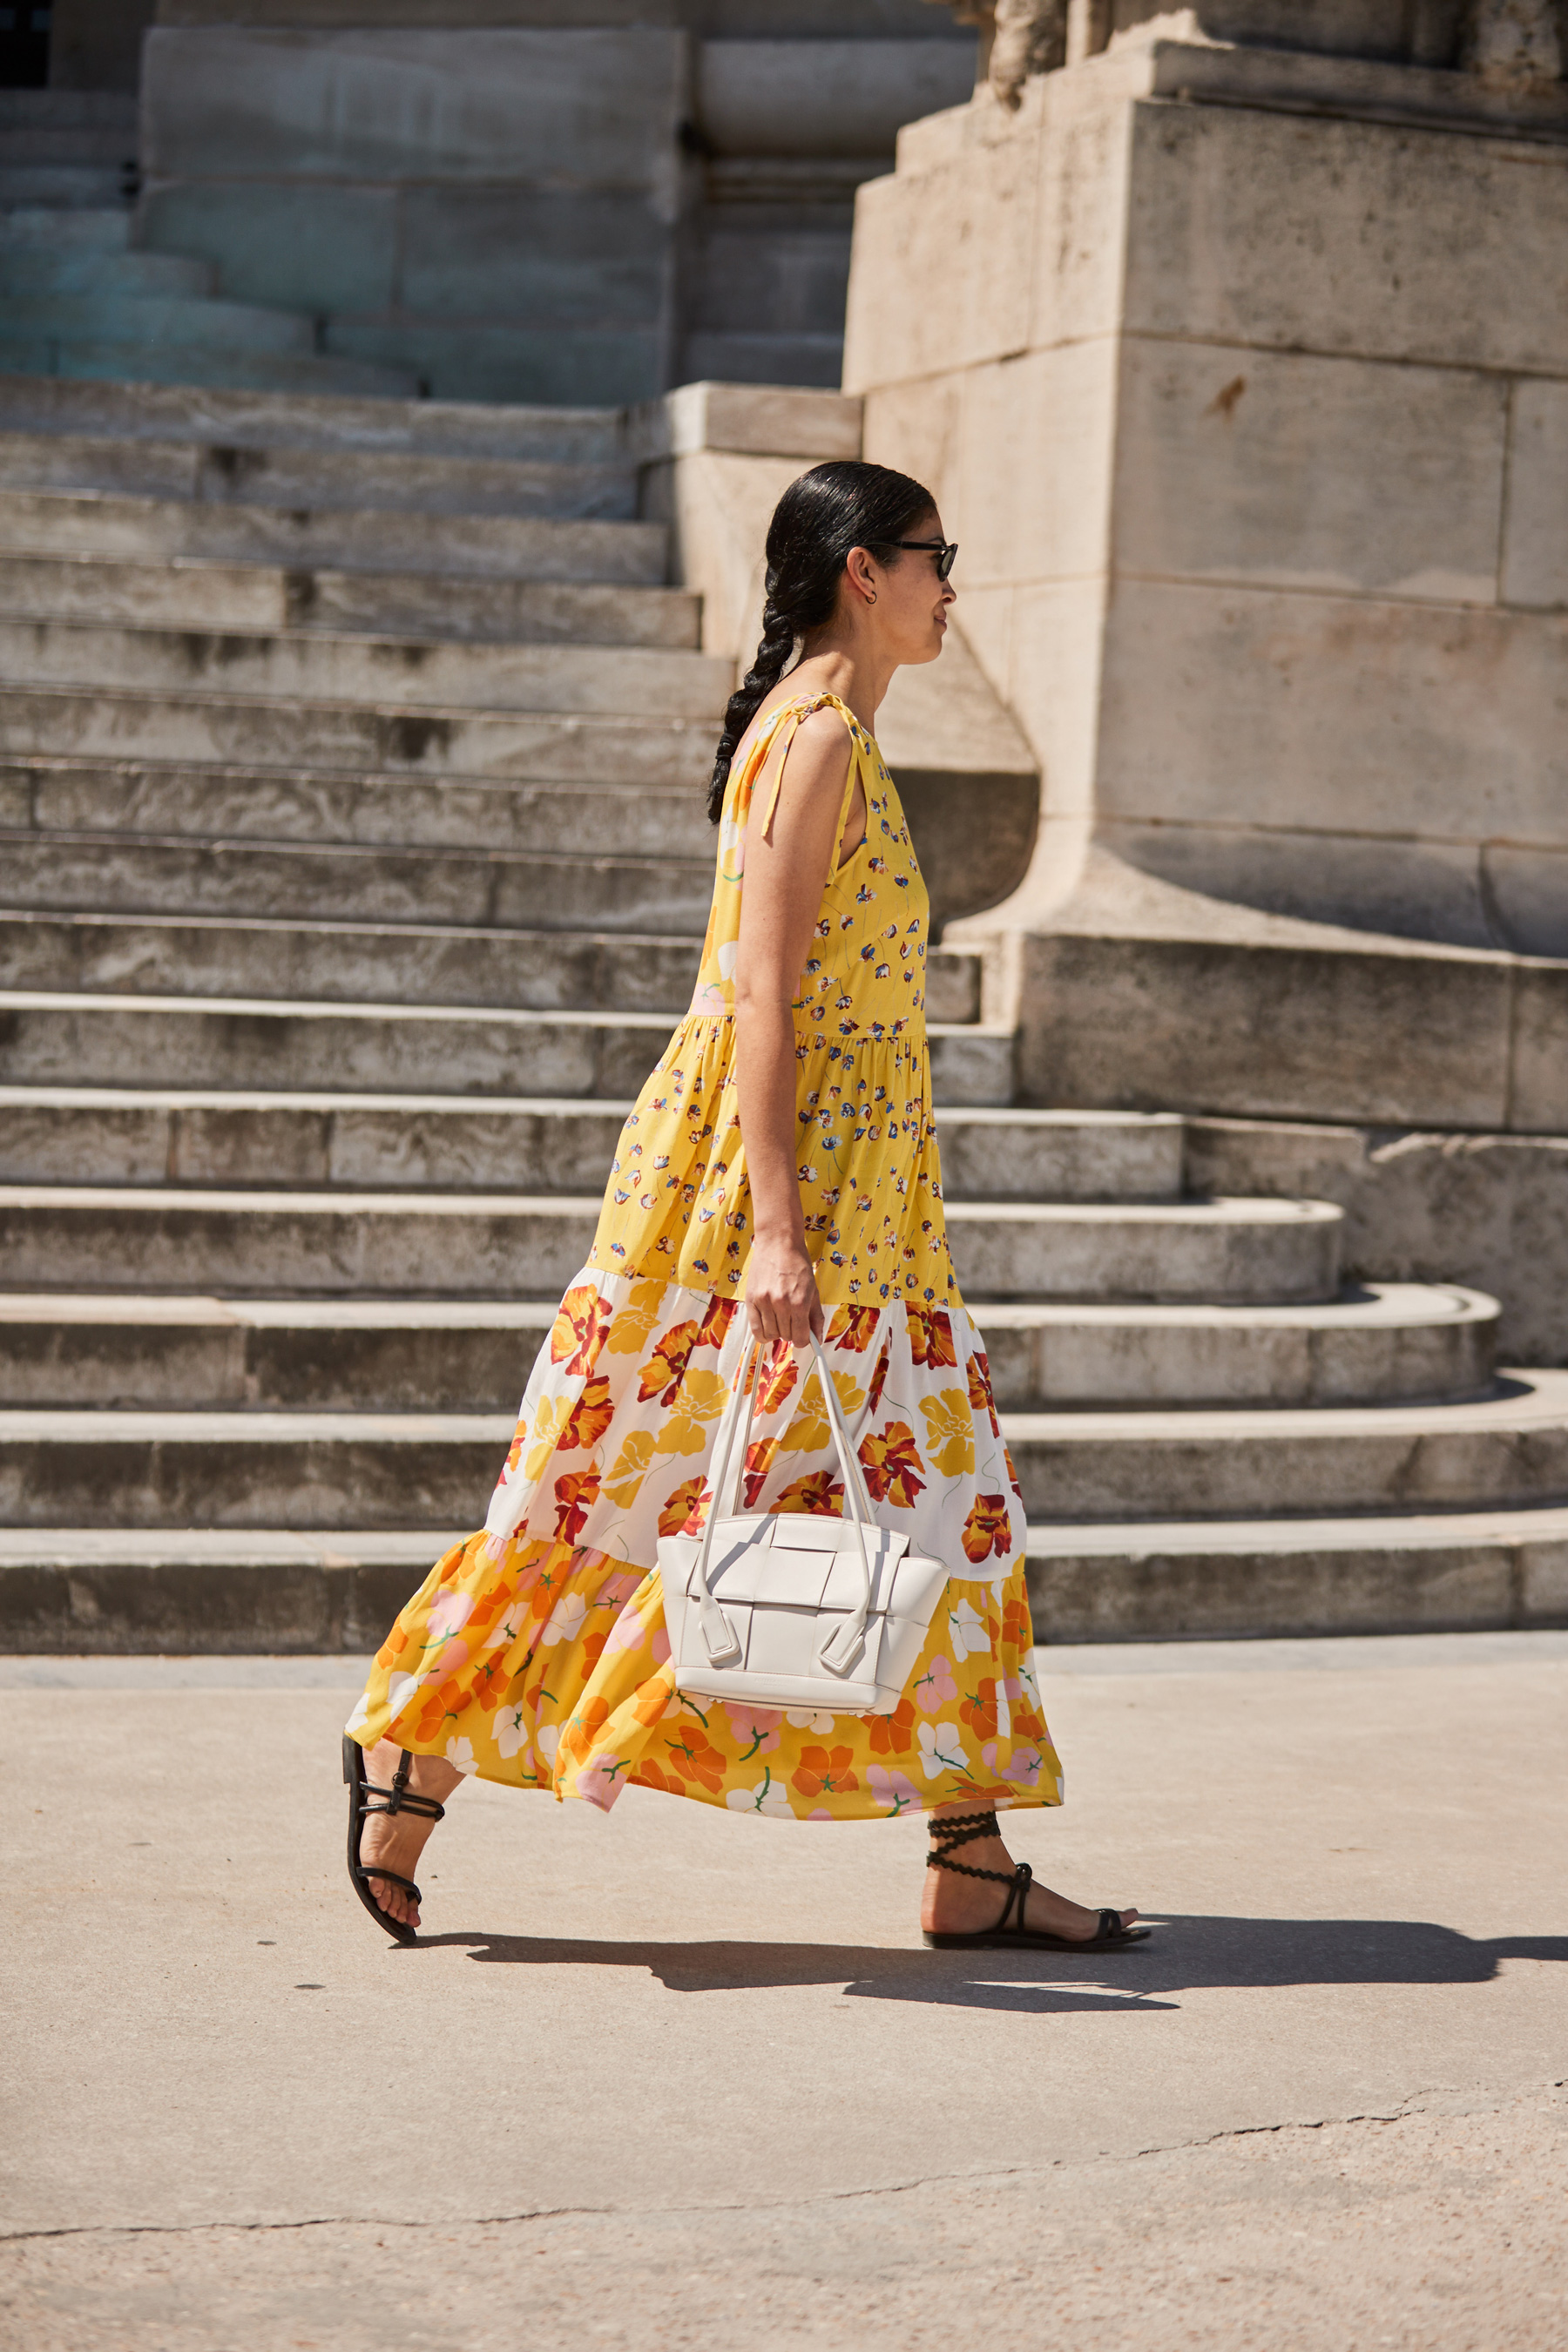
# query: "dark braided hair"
{"type": "Point", "coordinates": [819, 518]}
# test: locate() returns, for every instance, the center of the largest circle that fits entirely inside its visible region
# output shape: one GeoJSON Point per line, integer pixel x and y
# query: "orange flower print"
{"type": "Point", "coordinates": [987, 1529]}
{"type": "Point", "coordinates": [892, 1465]}
{"type": "Point", "coordinates": [591, 1416]}
{"type": "Point", "coordinates": [776, 1375]}
{"type": "Point", "coordinates": [1018, 1627]}
{"type": "Point", "coordinates": [931, 1336]}
{"type": "Point", "coordinates": [825, 1773]}
{"type": "Point", "coordinates": [514, 1450]}
{"type": "Point", "coordinates": [715, 1324]}
{"type": "Point", "coordinates": [694, 1757]}
{"type": "Point", "coordinates": [585, 1728]}
{"type": "Point", "coordinates": [575, 1496]}
{"type": "Point", "coordinates": [978, 1709]}
{"type": "Point", "coordinates": [666, 1368]}
{"type": "Point", "coordinates": [822, 1494]}
{"type": "Point", "coordinates": [686, 1510]}
{"type": "Point", "coordinates": [980, 1395]}
{"type": "Point", "coordinates": [1011, 1475]}
{"type": "Point", "coordinates": [852, 1326]}
{"type": "Point", "coordinates": [760, 1459]}
{"type": "Point", "coordinates": [892, 1734]}
{"type": "Point", "coordinates": [880, 1380]}
{"type": "Point", "coordinates": [579, 1330]}
{"type": "Point", "coordinates": [649, 1775]}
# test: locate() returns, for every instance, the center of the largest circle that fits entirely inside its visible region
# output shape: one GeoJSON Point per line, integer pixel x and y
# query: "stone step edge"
{"type": "Point", "coordinates": [128, 841]}
{"type": "Point", "coordinates": [159, 1310]}
{"type": "Point", "coordinates": [327, 1008]}
{"type": "Point", "coordinates": [325, 641]}
{"type": "Point", "coordinates": [1519, 1401]}
{"type": "Point", "coordinates": [108, 1098]}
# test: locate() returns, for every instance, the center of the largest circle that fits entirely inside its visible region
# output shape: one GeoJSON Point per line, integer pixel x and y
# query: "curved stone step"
{"type": "Point", "coordinates": [51, 229]}
{"type": "Point", "coordinates": [158, 321]}
{"type": "Point", "coordinates": [1210, 1250]}
{"type": "Point", "coordinates": [1232, 1580]}
{"type": "Point", "coordinates": [528, 1245]}
{"type": "Point", "coordinates": [330, 1469]}
{"type": "Point", "coordinates": [500, 549]}
{"type": "Point", "coordinates": [316, 666]}
{"type": "Point", "coordinates": [121, 1135]}
{"type": "Point", "coordinates": [87, 270]}
{"type": "Point", "coordinates": [188, 593]}
{"type": "Point", "coordinates": [1505, 1450]}
{"type": "Point", "coordinates": [55, 1040]}
{"type": "Point", "coordinates": [387, 963]}
{"type": "Point", "coordinates": [84, 1589]}
{"type": "Point", "coordinates": [389, 1355]}
{"type": "Point", "coordinates": [408, 738]}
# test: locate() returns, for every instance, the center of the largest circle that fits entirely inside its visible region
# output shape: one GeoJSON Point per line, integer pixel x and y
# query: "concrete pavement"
{"type": "Point", "coordinates": [669, 2073]}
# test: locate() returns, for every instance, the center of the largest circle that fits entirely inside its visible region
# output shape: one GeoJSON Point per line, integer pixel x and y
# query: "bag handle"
{"type": "Point", "coordinates": [840, 1651]}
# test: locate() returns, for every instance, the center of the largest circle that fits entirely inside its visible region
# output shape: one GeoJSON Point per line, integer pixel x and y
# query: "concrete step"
{"type": "Point", "coordinates": [113, 1591]}
{"type": "Point", "coordinates": [1394, 1342]}
{"type": "Point", "coordinates": [505, 552]}
{"type": "Point", "coordinates": [78, 110]}
{"type": "Point", "coordinates": [531, 888]}
{"type": "Point", "coordinates": [49, 1039]}
{"type": "Point", "coordinates": [1239, 1580]}
{"type": "Point", "coordinates": [44, 228]}
{"type": "Point", "coordinates": [395, 481]}
{"type": "Point", "coordinates": [250, 420]}
{"type": "Point", "coordinates": [157, 322]}
{"type": "Point", "coordinates": [1253, 1252]}
{"type": "Point", "coordinates": [132, 802]}
{"type": "Point", "coordinates": [93, 186]}
{"type": "Point", "coordinates": [87, 270]}
{"type": "Point", "coordinates": [528, 1245]}
{"type": "Point", "coordinates": [408, 738]}
{"type": "Point", "coordinates": [318, 665]}
{"type": "Point", "coordinates": [119, 1135]}
{"type": "Point", "coordinates": [268, 1469]}
{"type": "Point", "coordinates": [387, 963]}
{"type": "Point", "coordinates": [191, 593]}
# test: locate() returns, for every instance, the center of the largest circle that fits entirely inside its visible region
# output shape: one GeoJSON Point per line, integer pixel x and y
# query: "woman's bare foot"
{"type": "Point", "coordinates": [398, 1839]}
{"type": "Point", "coordinates": [954, 1905]}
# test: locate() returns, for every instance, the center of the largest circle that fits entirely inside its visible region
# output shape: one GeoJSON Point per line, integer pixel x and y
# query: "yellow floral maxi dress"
{"type": "Point", "coordinates": [535, 1652]}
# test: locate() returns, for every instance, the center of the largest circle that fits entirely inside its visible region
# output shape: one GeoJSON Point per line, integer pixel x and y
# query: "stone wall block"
{"type": "Point", "coordinates": [1539, 1097]}
{"type": "Point", "coordinates": [942, 271]}
{"type": "Point", "coordinates": [1293, 471]}
{"type": "Point", "coordinates": [1206, 1025]}
{"type": "Point", "coordinates": [1527, 897]}
{"type": "Point", "coordinates": [565, 366]}
{"type": "Point", "coordinates": [544, 258]}
{"type": "Point", "coordinates": [1249, 708]}
{"type": "Point", "coordinates": [1056, 635]}
{"type": "Point", "coordinates": [1535, 525]}
{"type": "Point", "coordinates": [1269, 230]}
{"type": "Point", "coordinates": [305, 248]}
{"type": "Point", "coordinates": [1035, 466]}
{"type": "Point", "coordinates": [1082, 199]}
{"type": "Point", "coordinates": [561, 107]}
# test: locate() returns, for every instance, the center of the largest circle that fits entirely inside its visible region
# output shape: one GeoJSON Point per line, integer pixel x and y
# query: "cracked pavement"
{"type": "Point", "coordinates": [668, 2072]}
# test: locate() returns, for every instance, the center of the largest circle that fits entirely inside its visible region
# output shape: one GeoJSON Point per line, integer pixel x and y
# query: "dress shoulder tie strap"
{"type": "Point", "coordinates": [775, 735]}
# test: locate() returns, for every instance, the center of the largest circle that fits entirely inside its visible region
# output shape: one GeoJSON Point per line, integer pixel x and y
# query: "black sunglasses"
{"type": "Point", "coordinates": [944, 550]}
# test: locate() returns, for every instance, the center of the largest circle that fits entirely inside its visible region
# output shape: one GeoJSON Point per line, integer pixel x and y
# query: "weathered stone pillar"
{"type": "Point", "coordinates": [1241, 372]}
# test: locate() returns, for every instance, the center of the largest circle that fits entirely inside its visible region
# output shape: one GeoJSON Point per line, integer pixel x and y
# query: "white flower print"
{"type": "Point", "coordinates": [460, 1752]}
{"type": "Point", "coordinates": [508, 1629]}
{"type": "Point", "coordinates": [967, 1628]}
{"type": "Point", "coordinates": [565, 1620]}
{"type": "Point", "coordinates": [810, 1720]}
{"type": "Point", "coordinates": [400, 1689]}
{"type": "Point", "coordinates": [769, 1796]}
{"type": "Point", "coordinates": [509, 1731]}
{"type": "Point", "coordinates": [941, 1749]}
{"type": "Point", "coordinates": [360, 1716]}
{"type": "Point", "coordinates": [547, 1741]}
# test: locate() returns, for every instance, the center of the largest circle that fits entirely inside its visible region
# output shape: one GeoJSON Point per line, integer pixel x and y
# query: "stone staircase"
{"type": "Point", "coordinates": [77, 301]}
{"type": "Point", "coordinates": [355, 870]}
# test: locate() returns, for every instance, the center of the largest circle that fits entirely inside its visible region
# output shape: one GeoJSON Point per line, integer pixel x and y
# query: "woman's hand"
{"type": "Point", "coordinates": [781, 1292]}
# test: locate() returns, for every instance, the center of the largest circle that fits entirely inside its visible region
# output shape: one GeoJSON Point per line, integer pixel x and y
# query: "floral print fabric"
{"type": "Point", "coordinates": [535, 1652]}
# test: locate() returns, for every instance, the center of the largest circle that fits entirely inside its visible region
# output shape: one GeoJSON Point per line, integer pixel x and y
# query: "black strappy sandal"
{"type": "Point", "coordinates": [960, 1829]}
{"type": "Point", "coordinates": [400, 1799]}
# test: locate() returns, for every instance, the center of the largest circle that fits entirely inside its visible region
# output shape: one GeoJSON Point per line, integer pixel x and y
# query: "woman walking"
{"type": "Point", "coordinates": [778, 1179]}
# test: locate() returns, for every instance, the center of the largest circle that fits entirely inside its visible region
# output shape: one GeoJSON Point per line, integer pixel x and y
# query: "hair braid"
{"type": "Point", "coordinates": [821, 516]}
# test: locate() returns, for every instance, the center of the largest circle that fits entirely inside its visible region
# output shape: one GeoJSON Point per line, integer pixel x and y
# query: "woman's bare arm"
{"type": "Point", "coordinates": [784, 873]}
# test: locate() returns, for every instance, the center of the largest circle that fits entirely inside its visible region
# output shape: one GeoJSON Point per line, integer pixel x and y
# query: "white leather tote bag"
{"type": "Point", "coordinates": [786, 1609]}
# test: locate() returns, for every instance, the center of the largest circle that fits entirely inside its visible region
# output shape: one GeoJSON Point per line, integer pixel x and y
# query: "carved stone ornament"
{"type": "Point", "coordinates": [1514, 44]}
{"type": "Point", "coordinates": [1028, 36]}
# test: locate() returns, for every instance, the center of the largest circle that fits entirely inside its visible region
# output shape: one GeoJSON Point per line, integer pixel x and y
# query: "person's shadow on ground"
{"type": "Point", "coordinates": [1183, 1954]}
